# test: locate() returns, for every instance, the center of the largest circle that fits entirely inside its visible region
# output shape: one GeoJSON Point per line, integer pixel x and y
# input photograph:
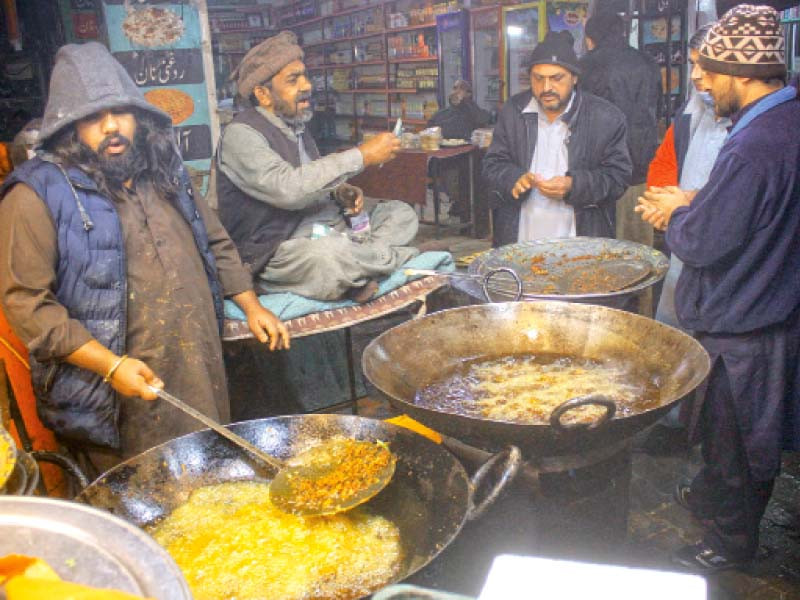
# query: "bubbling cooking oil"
{"type": "Point", "coordinates": [232, 543]}
{"type": "Point", "coordinates": [526, 388]}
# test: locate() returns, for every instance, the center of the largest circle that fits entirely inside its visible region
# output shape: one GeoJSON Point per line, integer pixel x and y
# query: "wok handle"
{"type": "Point", "coordinates": [65, 462]}
{"type": "Point", "coordinates": [595, 399]}
{"type": "Point", "coordinates": [487, 278]}
{"type": "Point", "coordinates": [223, 431]}
{"type": "Point", "coordinates": [512, 458]}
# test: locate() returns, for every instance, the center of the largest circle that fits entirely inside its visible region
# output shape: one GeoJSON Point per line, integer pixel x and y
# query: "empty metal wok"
{"type": "Point", "coordinates": [429, 498]}
{"type": "Point", "coordinates": [413, 354]}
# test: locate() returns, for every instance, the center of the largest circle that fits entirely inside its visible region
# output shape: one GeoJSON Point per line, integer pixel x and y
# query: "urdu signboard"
{"type": "Point", "coordinates": [161, 45]}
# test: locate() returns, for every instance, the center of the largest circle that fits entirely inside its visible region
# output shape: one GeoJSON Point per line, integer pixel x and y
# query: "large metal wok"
{"type": "Point", "coordinates": [409, 356]}
{"type": "Point", "coordinates": [429, 498]}
{"type": "Point", "coordinates": [557, 257]}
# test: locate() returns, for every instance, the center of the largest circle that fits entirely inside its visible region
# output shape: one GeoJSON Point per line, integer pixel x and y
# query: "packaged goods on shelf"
{"type": "Point", "coordinates": [412, 45]}
{"type": "Point", "coordinates": [317, 81]}
{"type": "Point", "coordinates": [367, 22]}
{"type": "Point", "coordinates": [339, 79]}
{"type": "Point", "coordinates": [371, 105]}
{"type": "Point", "coordinates": [414, 106]}
{"type": "Point", "coordinates": [369, 49]}
{"type": "Point", "coordinates": [339, 27]}
{"type": "Point", "coordinates": [370, 76]}
{"type": "Point", "coordinates": [327, 7]}
{"type": "Point", "coordinates": [343, 106]}
{"type": "Point", "coordinates": [344, 129]}
{"type": "Point", "coordinates": [314, 58]}
{"type": "Point", "coordinates": [311, 36]}
{"type": "Point", "coordinates": [233, 42]}
{"type": "Point", "coordinates": [397, 20]}
{"type": "Point", "coordinates": [340, 55]}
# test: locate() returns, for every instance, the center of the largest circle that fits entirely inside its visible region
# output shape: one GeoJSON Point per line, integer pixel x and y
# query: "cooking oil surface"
{"type": "Point", "coordinates": [232, 543]}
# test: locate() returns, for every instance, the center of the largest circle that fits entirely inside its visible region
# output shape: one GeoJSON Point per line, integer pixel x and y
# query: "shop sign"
{"type": "Point", "coordinates": [159, 43]}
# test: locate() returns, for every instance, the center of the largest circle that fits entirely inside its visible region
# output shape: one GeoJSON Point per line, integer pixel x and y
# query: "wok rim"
{"type": "Point", "coordinates": [522, 428]}
{"type": "Point", "coordinates": [658, 260]}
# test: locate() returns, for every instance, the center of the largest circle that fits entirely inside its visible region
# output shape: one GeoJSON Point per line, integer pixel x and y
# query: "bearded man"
{"type": "Point", "coordinates": [277, 196]}
{"type": "Point", "coordinates": [111, 270]}
{"type": "Point", "coordinates": [739, 290]}
{"type": "Point", "coordinates": [559, 157]}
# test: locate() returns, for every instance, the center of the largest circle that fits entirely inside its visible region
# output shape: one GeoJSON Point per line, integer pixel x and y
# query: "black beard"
{"type": "Point", "coordinates": [119, 168]}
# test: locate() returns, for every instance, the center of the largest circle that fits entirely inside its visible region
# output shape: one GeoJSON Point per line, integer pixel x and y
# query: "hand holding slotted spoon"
{"type": "Point", "coordinates": [311, 483]}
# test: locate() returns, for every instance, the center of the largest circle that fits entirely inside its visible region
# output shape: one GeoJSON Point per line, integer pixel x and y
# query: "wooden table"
{"type": "Point", "coordinates": [408, 175]}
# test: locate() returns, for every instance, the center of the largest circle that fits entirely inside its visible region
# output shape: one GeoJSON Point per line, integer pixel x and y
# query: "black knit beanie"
{"type": "Point", "coordinates": [556, 49]}
{"type": "Point", "coordinates": [746, 42]}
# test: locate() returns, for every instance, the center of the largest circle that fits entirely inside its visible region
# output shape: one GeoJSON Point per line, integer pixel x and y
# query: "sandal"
{"type": "Point", "coordinates": [701, 558]}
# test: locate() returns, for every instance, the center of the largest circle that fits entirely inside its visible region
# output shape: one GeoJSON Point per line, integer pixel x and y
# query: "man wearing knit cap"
{"type": "Point", "coordinates": [276, 194]}
{"type": "Point", "coordinates": [113, 272]}
{"type": "Point", "coordinates": [739, 240]}
{"type": "Point", "coordinates": [558, 159]}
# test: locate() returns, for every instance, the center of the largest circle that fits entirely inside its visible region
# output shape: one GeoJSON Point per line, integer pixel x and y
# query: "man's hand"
{"type": "Point", "coordinates": [650, 213]}
{"type": "Point", "coordinates": [131, 376]}
{"type": "Point", "coordinates": [262, 323]}
{"type": "Point", "coordinates": [555, 187]}
{"type": "Point", "coordinates": [358, 203]}
{"type": "Point", "coordinates": [132, 379]}
{"type": "Point", "coordinates": [268, 328]}
{"type": "Point", "coordinates": [524, 183]}
{"type": "Point", "coordinates": [664, 200]}
{"type": "Point", "coordinates": [380, 149]}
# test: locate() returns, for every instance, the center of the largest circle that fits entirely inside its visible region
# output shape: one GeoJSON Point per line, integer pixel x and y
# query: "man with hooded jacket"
{"type": "Point", "coordinates": [558, 159]}
{"type": "Point", "coordinates": [112, 272]}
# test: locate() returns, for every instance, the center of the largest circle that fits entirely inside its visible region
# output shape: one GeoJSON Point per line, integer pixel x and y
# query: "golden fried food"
{"type": "Point", "coordinates": [231, 542]}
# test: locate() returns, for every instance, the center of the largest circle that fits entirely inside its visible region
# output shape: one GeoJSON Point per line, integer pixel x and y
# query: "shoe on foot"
{"type": "Point", "coordinates": [682, 495]}
{"type": "Point", "coordinates": [701, 558]}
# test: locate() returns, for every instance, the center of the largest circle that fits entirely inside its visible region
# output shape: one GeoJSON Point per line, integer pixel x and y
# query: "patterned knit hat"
{"type": "Point", "coordinates": [746, 42]}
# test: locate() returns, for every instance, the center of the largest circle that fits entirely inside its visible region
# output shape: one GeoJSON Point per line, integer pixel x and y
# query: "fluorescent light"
{"type": "Point", "coordinates": [514, 30]}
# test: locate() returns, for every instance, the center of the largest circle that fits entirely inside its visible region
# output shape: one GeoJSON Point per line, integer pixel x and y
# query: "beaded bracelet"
{"type": "Point", "coordinates": [114, 368]}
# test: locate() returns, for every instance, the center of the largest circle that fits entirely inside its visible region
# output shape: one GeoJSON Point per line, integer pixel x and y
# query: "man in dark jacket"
{"type": "Point", "coordinates": [558, 159]}
{"type": "Point", "coordinates": [739, 290]}
{"type": "Point", "coordinates": [631, 81]}
{"type": "Point", "coordinates": [463, 116]}
{"type": "Point", "coordinates": [111, 270]}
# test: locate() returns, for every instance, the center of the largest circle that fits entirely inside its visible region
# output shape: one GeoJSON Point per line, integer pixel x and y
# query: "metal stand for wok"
{"type": "Point", "coordinates": [412, 293]}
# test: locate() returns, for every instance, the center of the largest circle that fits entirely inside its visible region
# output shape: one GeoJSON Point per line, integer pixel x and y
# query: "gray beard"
{"type": "Point", "coordinates": [296, 121]}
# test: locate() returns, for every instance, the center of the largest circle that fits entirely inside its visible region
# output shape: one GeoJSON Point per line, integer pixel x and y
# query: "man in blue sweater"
{"type": "Point", "coordinates": [739, 240]}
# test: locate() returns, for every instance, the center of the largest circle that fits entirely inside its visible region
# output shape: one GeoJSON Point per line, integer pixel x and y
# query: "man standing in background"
{"type": "Point", "coordinates": [631, 81]}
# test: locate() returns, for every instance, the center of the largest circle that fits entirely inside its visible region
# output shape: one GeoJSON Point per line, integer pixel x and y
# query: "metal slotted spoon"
{"type": "Point", "coordinates": [329, 478]}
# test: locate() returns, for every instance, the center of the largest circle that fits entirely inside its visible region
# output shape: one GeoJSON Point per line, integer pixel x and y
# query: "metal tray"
{"type": "Point", "coordinates": [89, 546]}
{"type": "Point", "coordinates": [552, 253]}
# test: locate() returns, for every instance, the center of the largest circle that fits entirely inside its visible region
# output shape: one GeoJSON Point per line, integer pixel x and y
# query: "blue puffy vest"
{"type": "Point", "coordinates": [91, 282]}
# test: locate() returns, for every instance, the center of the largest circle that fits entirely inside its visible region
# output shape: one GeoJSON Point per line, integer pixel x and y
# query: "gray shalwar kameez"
{"type": "Point", "coordinates": [322, 268]}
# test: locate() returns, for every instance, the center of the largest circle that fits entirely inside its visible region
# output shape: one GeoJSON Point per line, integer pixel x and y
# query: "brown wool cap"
{"type": "Point", "coordinates": [746, 42]}
{"type": "Point", "coordinates": [265, 60]}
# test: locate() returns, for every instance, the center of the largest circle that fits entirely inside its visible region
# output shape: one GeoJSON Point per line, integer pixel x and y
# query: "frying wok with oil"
{"type": "Point", "coordinates": [411, 355]}
{"type": "Point", "coordinates": [429, 498]}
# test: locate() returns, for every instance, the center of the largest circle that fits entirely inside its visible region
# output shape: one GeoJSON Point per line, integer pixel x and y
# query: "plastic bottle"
{"type": "Point", "coordinates": [358, 224]}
